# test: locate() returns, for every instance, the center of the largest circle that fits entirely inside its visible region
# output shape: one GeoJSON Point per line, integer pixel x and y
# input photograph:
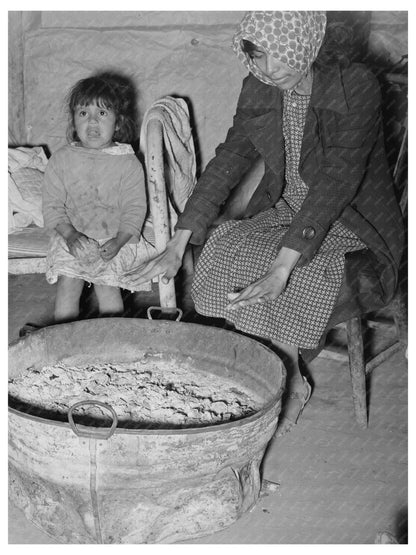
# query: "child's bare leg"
{"type": "Point", "coordinates": [68, 294]}
{"type": "Point", "coordinates": [110, 301]}
{"type": "Point", "coordinates": [296, 390]}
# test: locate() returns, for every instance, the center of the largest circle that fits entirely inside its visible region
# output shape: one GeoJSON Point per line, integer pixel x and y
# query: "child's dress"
{"type": "Point", "coordinates": [100, 192]}
{"type": "Point", "coordinates": [241, 252]}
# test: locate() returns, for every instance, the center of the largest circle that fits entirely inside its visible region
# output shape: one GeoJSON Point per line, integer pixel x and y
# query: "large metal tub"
{"type": "Point", "coordinates": [141, 486]}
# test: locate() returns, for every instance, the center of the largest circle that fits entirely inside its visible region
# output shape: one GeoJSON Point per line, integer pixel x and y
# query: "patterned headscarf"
{"type": "Point", "coordinates": [294, 38]}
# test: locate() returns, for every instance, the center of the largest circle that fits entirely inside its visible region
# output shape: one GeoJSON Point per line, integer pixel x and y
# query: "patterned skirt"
{"type": "Point", "coordinates": [240, 252]}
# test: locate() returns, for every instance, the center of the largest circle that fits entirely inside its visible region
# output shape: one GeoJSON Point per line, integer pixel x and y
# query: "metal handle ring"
{"type": "Point", "coordinates": [97, 432]}
{"type": "Point", "coordinates": [167, 310]}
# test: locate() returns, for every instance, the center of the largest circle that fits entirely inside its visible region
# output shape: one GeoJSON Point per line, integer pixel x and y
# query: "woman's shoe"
{"type": "Point", "coordinates": [291, 418]}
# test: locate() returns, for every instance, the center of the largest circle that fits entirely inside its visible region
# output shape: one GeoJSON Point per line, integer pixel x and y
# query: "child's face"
{"type": "Point", "coordinates": [95, 126]}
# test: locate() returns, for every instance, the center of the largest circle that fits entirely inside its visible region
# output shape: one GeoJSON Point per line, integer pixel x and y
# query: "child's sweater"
{"type": "Point", "coordinates": [100, 192]}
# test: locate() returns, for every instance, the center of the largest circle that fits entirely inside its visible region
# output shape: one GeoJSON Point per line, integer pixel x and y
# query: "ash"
{"type": "Point", "coordinates": [150, 393]}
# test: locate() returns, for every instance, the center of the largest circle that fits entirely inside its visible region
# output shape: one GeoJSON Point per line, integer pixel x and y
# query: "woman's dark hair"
{"type": "Point", "coordinates": [248, 47]}
{"type": "Point", "coordinates": [109, 90]}
{"type": "Point", "coordinates": [336, 49]}
{"type": "Point", "coordinates": [337, 46]}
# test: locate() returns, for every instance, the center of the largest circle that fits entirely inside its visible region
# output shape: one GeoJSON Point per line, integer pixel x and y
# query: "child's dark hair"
{"type": "Point", "coordinates": [109, 90]}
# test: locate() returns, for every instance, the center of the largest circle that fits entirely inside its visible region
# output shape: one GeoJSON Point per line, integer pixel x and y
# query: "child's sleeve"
{"type": "Point", "coordinates": [133, 198]}
{"type": "Point", "coordinates": [53, 196]}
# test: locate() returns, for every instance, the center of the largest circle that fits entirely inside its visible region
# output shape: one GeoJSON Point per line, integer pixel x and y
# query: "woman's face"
{"type": "Point", "coordinates": [282, 75]}
{"type": "Point", "coordinates": [95, 126]}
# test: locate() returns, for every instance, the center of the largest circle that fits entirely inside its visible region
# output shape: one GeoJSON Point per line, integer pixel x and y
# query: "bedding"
{"type": "Point", "coordinates": [27, 239]}
{"type": "Point", "coordinates": [27, 250]}
{"type": "Point", "coordinates": [29, 242]}
{"type": "Point", "coordinates": [26, 167]}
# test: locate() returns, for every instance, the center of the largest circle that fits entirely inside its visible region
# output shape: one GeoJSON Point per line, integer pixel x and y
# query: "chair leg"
{"type": "Point", "coordinates": [357, 370]}
{"type": "Point", "coordinates": [400, 318]}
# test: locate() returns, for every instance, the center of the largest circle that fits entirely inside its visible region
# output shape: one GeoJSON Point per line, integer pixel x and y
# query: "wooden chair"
{"type": "Point", "coordinates": [359, 367]}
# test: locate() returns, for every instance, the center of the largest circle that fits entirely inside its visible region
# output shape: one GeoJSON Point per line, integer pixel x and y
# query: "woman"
{"type": "Point", "coordinates": [315, 120]}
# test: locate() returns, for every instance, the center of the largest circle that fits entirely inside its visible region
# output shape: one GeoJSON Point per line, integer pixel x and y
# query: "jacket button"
{"type": "Point", "coordinates": [309, 232]}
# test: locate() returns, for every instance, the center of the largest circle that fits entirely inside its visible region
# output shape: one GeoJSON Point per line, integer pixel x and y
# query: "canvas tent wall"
{"type": "Point", "coordinates": [179, 53]}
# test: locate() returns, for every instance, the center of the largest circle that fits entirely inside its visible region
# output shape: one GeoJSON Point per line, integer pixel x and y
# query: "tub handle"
{"type": "Point", "coordinates": [166, 310]}
{"type": "Point", "coordinates": [96, 433]}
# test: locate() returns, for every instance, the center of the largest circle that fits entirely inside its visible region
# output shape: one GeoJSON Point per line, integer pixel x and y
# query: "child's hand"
{"type": "Point", "coordinates": [76, 242]}
{"type": "Point", "coordinates": [110, 249]}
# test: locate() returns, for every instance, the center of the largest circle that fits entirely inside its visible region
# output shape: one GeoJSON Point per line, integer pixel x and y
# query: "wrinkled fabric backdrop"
{"type": "Point", "coordinates": [186, 54]}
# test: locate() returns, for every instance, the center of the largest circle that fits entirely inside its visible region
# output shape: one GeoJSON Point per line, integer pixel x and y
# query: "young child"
{"type": "Point", "coordinates": [94, 197]}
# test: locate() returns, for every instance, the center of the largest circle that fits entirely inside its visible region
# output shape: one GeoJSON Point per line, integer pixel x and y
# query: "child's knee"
{"type": "Point", "coordinates": [71, 287]}
{"type": "Point", "coordinates": [107, 291]}
{"type": "Point", "coordinates": [109, 299]}
{"type": "Point", "coordinates": [67, 299]}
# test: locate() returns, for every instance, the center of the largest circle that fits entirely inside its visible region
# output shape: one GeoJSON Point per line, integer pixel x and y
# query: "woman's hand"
{"type": "Point", "coordinates": [268, 287]}
{"type": "Point", "coordinates": [165, 264]}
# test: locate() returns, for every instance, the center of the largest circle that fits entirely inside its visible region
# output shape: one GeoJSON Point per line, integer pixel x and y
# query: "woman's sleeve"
{"type": "Point", "coordinates": [233, 158]}
{"type": "Point", "coordinates": [345, 145]}
{"type": "Point", "coordinates": [53, 196]}
{"type": "Point", "coordinates": [133, 202]}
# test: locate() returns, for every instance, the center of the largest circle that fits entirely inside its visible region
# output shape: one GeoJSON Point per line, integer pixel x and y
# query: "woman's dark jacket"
{"type": "Point", "coordinates": [342, 161]}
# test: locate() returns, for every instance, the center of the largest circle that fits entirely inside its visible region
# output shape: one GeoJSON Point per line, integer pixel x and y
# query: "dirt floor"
{"type": "Point", "coordinates": [338, 484]}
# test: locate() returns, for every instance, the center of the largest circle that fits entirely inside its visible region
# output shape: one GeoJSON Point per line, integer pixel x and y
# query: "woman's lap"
{"type": "Point", "coordinates": [240, 252]}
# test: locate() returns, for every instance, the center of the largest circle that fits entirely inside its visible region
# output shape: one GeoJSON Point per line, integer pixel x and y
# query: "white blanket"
{"type": "Point", "coordinates": [26, 167]}
{"type": "Point", "coordinates": [173, 114]}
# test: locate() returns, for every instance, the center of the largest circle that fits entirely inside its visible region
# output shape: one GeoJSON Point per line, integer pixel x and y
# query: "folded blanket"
{"type": "Point", "coordinates": [173, 114]}
{"type": "Point", "coordinates": [27, 157]}
{"type": "Point", "coordinates": [26, 166]}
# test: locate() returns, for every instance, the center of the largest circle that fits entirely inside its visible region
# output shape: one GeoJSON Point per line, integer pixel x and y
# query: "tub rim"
{"type": "Point", "coordinates": [157, 431]}
{"type": "Point", "coordinates": [273, 402]}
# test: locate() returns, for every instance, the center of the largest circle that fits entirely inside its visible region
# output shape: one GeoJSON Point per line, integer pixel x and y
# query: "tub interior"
{"type": "Point", "coordinates": [220, 355]}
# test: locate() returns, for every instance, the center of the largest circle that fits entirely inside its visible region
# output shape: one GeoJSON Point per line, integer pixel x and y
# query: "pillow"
{"type": "Point", "coordinates": [29, 181]}
{"type": "Point", "coordinates": [27, 157]}
{"type": "Point", "coordinates": [25, 197]}
{"type": "Point", "coordinates": [26, 167]}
